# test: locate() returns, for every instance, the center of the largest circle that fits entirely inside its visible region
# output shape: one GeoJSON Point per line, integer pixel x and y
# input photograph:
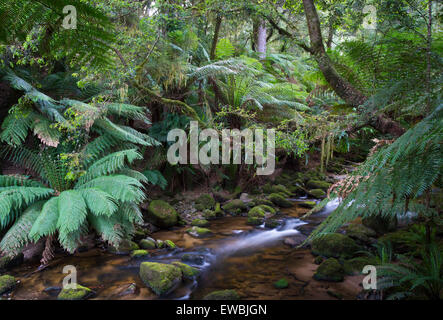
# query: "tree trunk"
{"type": "Point", "coordinates": [261, 39]}
{"type": "Point", "coordinates": [218, 22]}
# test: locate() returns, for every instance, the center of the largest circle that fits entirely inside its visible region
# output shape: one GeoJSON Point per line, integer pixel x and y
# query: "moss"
{"type": "Point", "coordinates": [218, 211]}
{"type": "Point", "coordinates": [271, 224]}
{"type": "Point", "coordinates": [199, 232]}
{"type": "Point", "coordinates": [205, 201]}
{"type": "Point", "coordinates": [188, 272]}
{"type": "Point", "coordinates": [161, 278]}
{"type": "Point", "coordinates": [281, 284]}
{"type": "Point", "coordinates": [317, 193]}
{"type": "Point", "coordinates": [257, 212]}
{"type": "Point", "coordinates": [209, 214]}
{"type": "Point", "coordinates": [260, 201]}
{"type": "Point", "coordinates": [298, 190]}
{"type": "Point", "coordinates": [356, 265]}
{"type": "Point", "coordinates": [169, 244]}
{"type": "Point", "coordinates": [148, 244]}
{"type": "Point", "coordinates": [255, 221]}
{"type": "Point", "coordinates": [80, 293]}
{"type": "Point", "coordinates": [199, 222]}
{"type": "Point", "coordinates": [7, 283]}
{"type": "Point", "coordinates": [162, 214]}
{"type": "Point", "coordinates": [125, 247]}
{"type": "Point", "coordinates": [280, 189]}
{"type": "Point", "coordinates": [234, 206]}
{"type": "Point", "coordinates": [330, 270]}
{"type": "Point", "coordinates": [316, 184]}
{"type": "Point", "coordinates": [139, 254]}
{"type": "Point", "coordinates": [360, 233]}
{"type": "Point", "coordinates": [334, 245]}
{"type": "Point", "coordinates": [7, 262]}
{"type": "Point", "coordinates": [280, 200]}
{"type": "Point", "coordinates": [222, 295]}
{"type": "Point", "coordinates": [160, 244]}
{"type": "Point", "coordinates": [307, 204]}
{"type": "Point", "coordinates": [267, 188]}
{"type": "Point", "coordinates": [318, 260]}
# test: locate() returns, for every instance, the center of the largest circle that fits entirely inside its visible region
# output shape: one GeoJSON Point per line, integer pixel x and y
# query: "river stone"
{"type": "Point", "coordinates": [162, 214]}
{"type": "Point", "coordinates": [196, 259]}
{"type": "Point", "coordinates": [222, 295]}
{"type": "Point", "coordinates": [330, 270]}
{"type": "Point", "coordinates": [139, 254]}
{"type": "Point", "coordinates": [295, 241]}
{"type": "Point", "coordinates": [316, 184]}
{"type": "Point", "coordinates": [334, 245]}
{"type": "Point", "coordinates": [281, 189]}
{"type": "Point", "coordinates": [161, 278]}
{"type": "Point", "coordinates": [199, 232]}
{"type": "Point", "coordinates": [235, 206]}
{"type": "Point", "coordinates": [205, 201]}
{"type": "Point", "coordinates": [279, 200]}
{"type": "Point", "coordinates": [199, 223]}
{"type": "Point", "coordinates": [7, 283]}
{"type": "Point", "coordinates": [356, 265]}
{"type": "Point", "coordinates": [80, 293]}
{"type": "Point", "coordinates": [125, 247]}
{"type": "Point", "coordinates": [169, 244]}
{"type": "Point", "coordinates": [148, 244]}
{"type": "Point", "coordinates": [188, 272]}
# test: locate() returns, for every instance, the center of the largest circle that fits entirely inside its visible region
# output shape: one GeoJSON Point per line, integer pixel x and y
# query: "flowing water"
{"type": "Point", "coordinates": [236, 256]}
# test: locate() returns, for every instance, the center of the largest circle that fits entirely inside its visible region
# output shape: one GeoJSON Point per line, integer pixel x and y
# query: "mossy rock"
{"type": "Point", "coordinates": [160, 244]}
{"type": "Point", "coordinates": [267, 188]}
{"type": "Point", "coordinates": [298, 190]}
{"type": "Point", "coordinates": [330, 270]}
{"type": "Point", "coordinates": [161, 278]}
{"type": "Point", "coordinates": [188, 272]}
{"type": "Point", "coordinates": [280, 200]}
{"type": "Point", "coordinates": [360, 232]}
{"type": "Point", "coordinates": [318, 260]}
{"type": "Point", "coordinates": [199, 223]}
{"type": "Point", "coordinates": [139, 254]}
{"type": "Point", "coordinates": [259, 201]}
{"type": "Point", "coordinates": [307, 204]}
{"type": "Point", "coordinates": [357, 264]}
{"type": "Point", "coordinates": [148, 244]}
{"type": "Point", "coordinates": [125, 247]}
{"type": "Point", "coordinates": [334, 245]}
{"type": "Point", "coordinates": [162, 214]}
{"type": "Point", "coordinates": [209, 214]}
{"type": "Point", "coordinates": [7, 283]}
{"type": "Point", "coordinates": [197, 259]}
{"type": "Point", "coordinates": [281, 284]}
{"type": "Point", "coordinates": [7, 262]}
{"type": "Point", "coordinates": [205, 201]}
{"type": "Point", "coordinates": [255, 221]}
{"type": "Point", "coordinates": [272, 223]}
{"type": "Point", "coordinates": [169, 244]}
{"type": "Point", "coordinates": [218, 211]}
{"type": "Point", "coordinates": [317, 193]}
{"type": "Point", "coordinates": [316, 184]}
{"type": "Point", "coordinates": [222, 295]}
{"type": "Point", "coordinates": [381, 225]}
{"type": "Point", "coordinates": [235, 206]}
{"type": "Point", "coordinates": [279, 188]}
{"type": "Point", "coordinates": [80, 293]}
{"type": "Point", "coordinates": [199, 232]}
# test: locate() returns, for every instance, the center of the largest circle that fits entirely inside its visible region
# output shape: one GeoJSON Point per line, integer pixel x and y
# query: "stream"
{"type": "Point", "coordinates": [237, 256]}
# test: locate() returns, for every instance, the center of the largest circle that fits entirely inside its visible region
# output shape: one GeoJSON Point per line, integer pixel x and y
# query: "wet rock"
{"type": "Point", "coordinates": [125, 247]}
{"type": "Point", "coordinates": [126, 290]}
{"type": "Point", "coordinates": [272, 223]}
{"type": "Point", "coordinates": [317, 184]}
{"type": "Point", "coordinates": [330, 270]}
{"type": "Point", "coordinates": [199, 223]}
{"type": "Point", "coordinates": [80, 293]}
{"type": "Point", "coordinates": [334, 245]}
{"type": "Point", "coordinates": [205, 201]}
{"type": "Point", "coordinates": [161, 278]}
{"type": "Point", "coordinates": [360, 232]}
{"type": "Point", "coordinates": [281, 284]}
{"type": "Point", "coordinates": [7, 262]}
{"type": "Point", "coordinates": [317, 193]}
{"type": "Point", "coordinates": [148, 244]}
{"type": "Point", "coordinates": [235, 206]}
{"type": "Point", "coordinates": [222, 295]}
{"type": "Point", "coordinates": [295, 241]}
{"type": "Point", "coordinates": [169, 244]}
{"type": "Point", "coordinates": [196, 259]}
{"type": "Point", "coordinates": [280, 200]}
{"type": "Point", "coordinates": [199, 232]}
{"type": "Point", "coordinates": [139, 254]}
{"type": "Point", "coordinates": [245, 198]}
{"type": "Point", "coordinates": [7, 283]}
{"type": "Point", "coordinates": [188, 272]}
{"type": "Point", "coordinates": [162, 214]}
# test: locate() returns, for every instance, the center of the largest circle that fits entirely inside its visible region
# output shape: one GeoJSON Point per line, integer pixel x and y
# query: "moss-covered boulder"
{"type": "Point", "coordinates": [169, 244]}
{"type": "Point", "coordinates": [381, 225]}
{"type": "Point", "coordinates": [80, 293]}
{"type": "Point", "coordinates": [161, 278]}
{"type": "Point", "coordinates": [7, 262]}
{"type": "Point", "coordinates": [139, 254]}
{"type": "Point", "coordinates": [162, 214]}
{"type": "Point", "coordinates": [218, 210]}
{"type": "Point", "coordinates": [222, 295]}
{"type": "Point", "coordinates": [125, 247]}
{"type": "Point", "coordinates": [199, 232]}
{"type": "Point", "coordinates": [209, 214]}
{"type": "Point", "coordinates": [272, 223]}
{"type": "Point", "coordinates": [199, 223]}
{"type": "Point", "coordinates": [317, 184]}
{"type": "Point", "coordinates": [148, 244]}
{"type": "Point", "coordinates": [279, 188]}
{"type": "Point", "coordinates": [235, 206]}
{"type": "Point", "coordinates": [260, 201]}
{"type": "Point", "coordinates": [297, 190]}
{"type": "Point", "coordinates": [330, 270]}
{"type": "Point", "coordinates": [280, 200]}
{"type": "Point", "coordinates": [357, 264]}
{"type": "Point", "coordinates": [307, 204]}
{"type": "Point", "coordinates": [188, 272]}
{"type": "Point", "coordinates": [205, 201]}
{"type": "Point", "coordinates": [360, 232]}
{"type": "Point", "coordinates": [7, 283]}
{"type": "Point", "coordinates": [334, 245]}
{"type": "Point", "coordinates": [281, 284]}
{"type": "Point", "coordinates": [255, 221]}
{"type": "Point", "coordinates": [317, 193]}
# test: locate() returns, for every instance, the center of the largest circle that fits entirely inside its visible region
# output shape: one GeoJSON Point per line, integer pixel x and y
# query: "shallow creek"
{"type": "Point", "coordinates": [236, 256]}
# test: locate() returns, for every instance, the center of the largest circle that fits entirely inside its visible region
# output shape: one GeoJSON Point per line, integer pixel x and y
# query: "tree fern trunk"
{"type": "Point", "coordinates": [261, 39]}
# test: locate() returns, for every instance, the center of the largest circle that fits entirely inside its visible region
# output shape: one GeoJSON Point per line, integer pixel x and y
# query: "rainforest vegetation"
{"type": "Point", "coordinates": [90, 90]}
